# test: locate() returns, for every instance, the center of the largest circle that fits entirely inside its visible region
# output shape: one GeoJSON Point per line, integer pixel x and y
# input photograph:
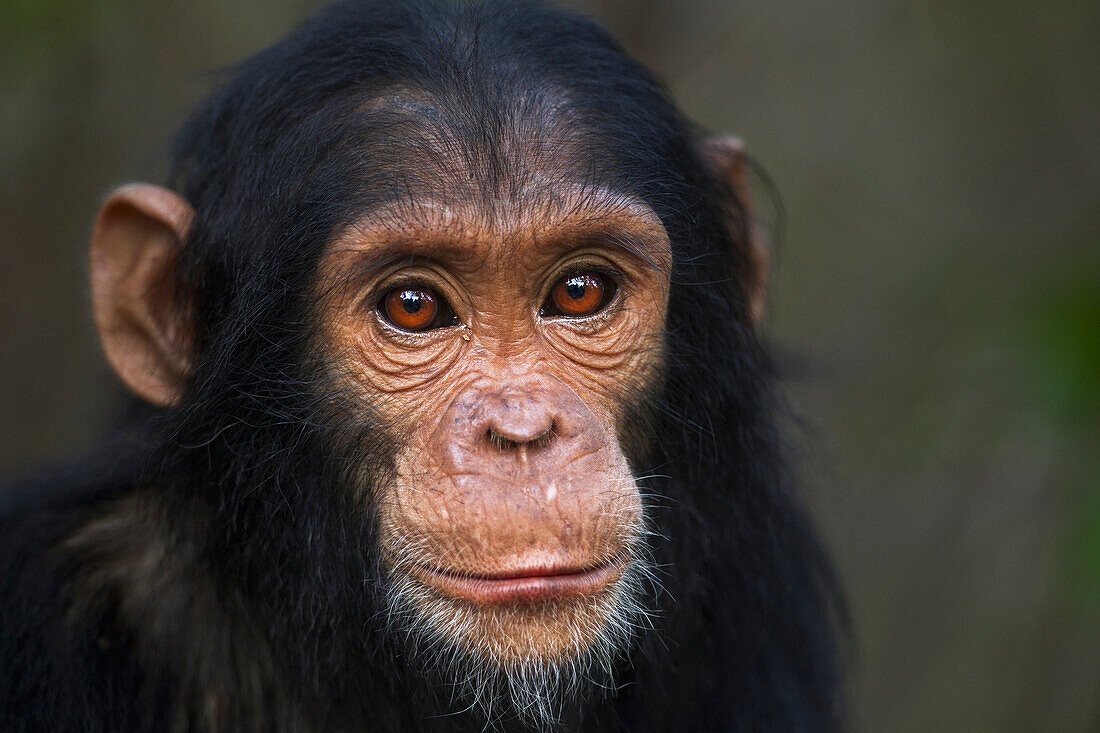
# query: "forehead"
{"type": "Point", "coordinates": [539, 221]}
{"type": "Point", "coordinates": [524, 174]}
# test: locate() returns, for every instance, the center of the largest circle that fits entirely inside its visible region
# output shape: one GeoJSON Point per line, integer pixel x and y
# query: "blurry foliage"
{"type": "Point", "coordinates": [1083, 546]}
{"type": "Point", "coordinates": [1060, 346]}
{"type": "Point", "coordinates": [36, 37]}
{"type": "Point", "coordinates": [31, 29]}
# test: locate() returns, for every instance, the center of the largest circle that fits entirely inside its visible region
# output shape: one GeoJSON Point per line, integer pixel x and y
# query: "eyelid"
{"type": "Point", "coordinates": [407, 270]}
{"type": "Point", "coordinates": [582, 267]}
{"type": "Point", "coordinates": [411, 282]}
{"type": "Point", "coordinates": [398, 278]}
{"type": "Point", "coordinates": [594, 322]}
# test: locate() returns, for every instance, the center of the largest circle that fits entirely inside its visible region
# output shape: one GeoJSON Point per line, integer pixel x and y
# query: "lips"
{"type": "Point", "coordinates": [535, 583]}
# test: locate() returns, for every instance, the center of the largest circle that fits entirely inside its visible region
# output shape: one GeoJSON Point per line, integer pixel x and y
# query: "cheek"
{"type": "Point", "coordinates": [397, 368]}
{"type": "Point", "coordinates": [613, 368]}
{"type": "Point", "coordinates": [379, 359]}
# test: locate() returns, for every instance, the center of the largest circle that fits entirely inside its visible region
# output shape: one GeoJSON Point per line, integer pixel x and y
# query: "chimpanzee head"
{"type": "Point", "coordinates": [449, 320]}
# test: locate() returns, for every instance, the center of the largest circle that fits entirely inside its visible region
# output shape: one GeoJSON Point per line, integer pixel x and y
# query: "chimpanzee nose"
{"type": "Point", "coordinates": [514, 419]}
{"type": "Point", "coordinates": [489, 426]}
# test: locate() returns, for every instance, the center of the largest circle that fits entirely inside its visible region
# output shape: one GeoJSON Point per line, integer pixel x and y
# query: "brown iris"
{"type": "Point", "coordinates": [413, 309]}
{"type": "Point", "coordinates": [580, 294]}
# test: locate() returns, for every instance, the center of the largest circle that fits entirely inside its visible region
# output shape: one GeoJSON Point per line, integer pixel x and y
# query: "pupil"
{"type": "Point", "coordinates": [411, 302]}
{"type": "Point", "coordinates": [575, 288]}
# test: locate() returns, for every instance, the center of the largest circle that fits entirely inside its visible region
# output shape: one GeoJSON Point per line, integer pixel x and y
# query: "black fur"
{"type": "Point", "coordinates": [263, 610]}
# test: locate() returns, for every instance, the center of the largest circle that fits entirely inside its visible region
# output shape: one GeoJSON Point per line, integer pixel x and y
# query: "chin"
{"type": "Point", "coordinates": [521, 644]}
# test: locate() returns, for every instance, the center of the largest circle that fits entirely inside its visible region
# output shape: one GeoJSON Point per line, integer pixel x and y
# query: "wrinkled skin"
{"type": "Point", "coordinates": [511, 463]}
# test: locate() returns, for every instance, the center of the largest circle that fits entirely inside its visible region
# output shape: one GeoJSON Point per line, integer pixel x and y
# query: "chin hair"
{"type": "Point", "coordinates": [488, 667]}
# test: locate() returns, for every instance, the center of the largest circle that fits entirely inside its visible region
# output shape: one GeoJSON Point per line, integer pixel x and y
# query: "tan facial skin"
{"type": "Point", "coordinates": [511, 489]}
{"type": "Point", "coordinates": [513, 513]}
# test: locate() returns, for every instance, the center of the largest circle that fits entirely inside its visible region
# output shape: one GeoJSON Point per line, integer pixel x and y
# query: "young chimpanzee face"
{"type": "Point", "coordinates": [504, 339]}
{"type": "Point", "coordinates": [501, 341]}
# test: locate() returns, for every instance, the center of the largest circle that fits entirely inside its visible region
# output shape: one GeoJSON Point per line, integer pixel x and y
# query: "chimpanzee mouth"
{"type": "Point", "coordinates": [543, 582]}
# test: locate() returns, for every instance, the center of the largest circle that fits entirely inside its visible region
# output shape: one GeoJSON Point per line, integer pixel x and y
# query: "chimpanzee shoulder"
{"type": "Point", "coordinates": [61, 671]}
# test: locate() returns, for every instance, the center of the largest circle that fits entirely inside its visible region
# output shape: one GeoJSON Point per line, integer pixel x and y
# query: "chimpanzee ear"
{"type": "Point", "coordinates": [145, 331]}
{"type": "Point", "coordinates": [725, 155]}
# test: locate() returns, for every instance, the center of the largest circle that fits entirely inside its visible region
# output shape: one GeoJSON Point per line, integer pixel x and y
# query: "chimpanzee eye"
{"type": "Point", "coordinates": [580, 294]}
{"type": "Point", "coordinates": [415, 308]}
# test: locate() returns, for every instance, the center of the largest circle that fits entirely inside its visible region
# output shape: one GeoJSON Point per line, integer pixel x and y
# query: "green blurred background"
{"type": "Point", "coordinates": [937, 284]}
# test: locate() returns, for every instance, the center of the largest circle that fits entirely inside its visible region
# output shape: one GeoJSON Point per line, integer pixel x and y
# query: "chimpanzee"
{"type": "Point", "coordinates": [453, 412]}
